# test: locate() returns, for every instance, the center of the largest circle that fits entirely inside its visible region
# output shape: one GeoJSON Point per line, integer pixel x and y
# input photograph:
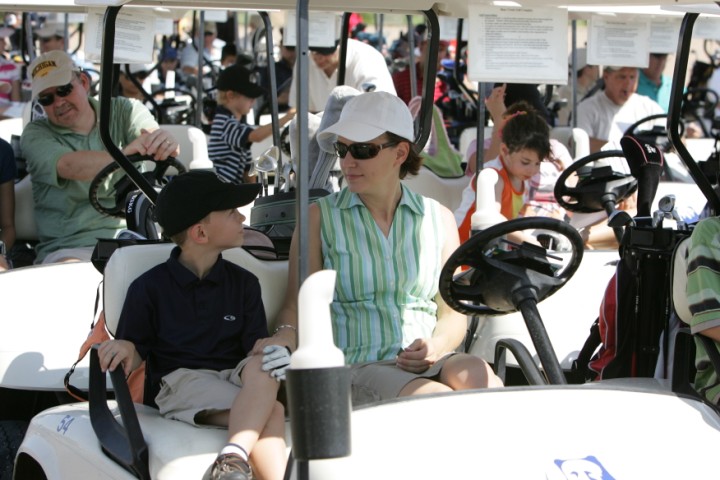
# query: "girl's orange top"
{"type": "Point", "coordinates": [511, 201]}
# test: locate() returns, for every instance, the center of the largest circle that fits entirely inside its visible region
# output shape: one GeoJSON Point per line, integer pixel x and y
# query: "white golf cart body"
{"type": "Point", "coordinates": [619, 428]}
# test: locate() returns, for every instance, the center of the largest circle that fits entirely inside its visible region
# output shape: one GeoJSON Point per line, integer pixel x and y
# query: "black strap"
{"type": "Point", "coordinates": [470, 334]}
{"type": "Point", "coordinates": [72, 389]}
{"type": "Point", "coordinates": [580, 371]}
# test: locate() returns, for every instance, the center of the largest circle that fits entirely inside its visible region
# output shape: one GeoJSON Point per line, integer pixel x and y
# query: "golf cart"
{"type": "Point", "coordinates": [390, 439]}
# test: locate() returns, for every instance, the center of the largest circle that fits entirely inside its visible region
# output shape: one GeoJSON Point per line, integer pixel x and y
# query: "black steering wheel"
{"type": "Point", "coordinates": [704, 101]}
{"type": "Point", "coordinates": [503, 274]}
{"type": "Point", "coordinates": [657, 134]}
{"type": "Point", "coordinates": [172, 111]}
{"type": "Point", "coordinates": [699, 104]}
{"type": "Point", "coordinates": [100, 191]}
{"type": "Point", "coordinates": [598, 188]}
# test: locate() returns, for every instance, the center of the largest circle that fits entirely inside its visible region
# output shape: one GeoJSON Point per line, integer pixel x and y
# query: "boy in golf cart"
{"type": "Point", "coordinates": [197, 319]}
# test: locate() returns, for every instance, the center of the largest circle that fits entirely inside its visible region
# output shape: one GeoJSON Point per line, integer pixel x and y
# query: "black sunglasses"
{"type": "Point", "coordinates": [361, 151]}
{"type": "Point", "coordinates": [62, 92]}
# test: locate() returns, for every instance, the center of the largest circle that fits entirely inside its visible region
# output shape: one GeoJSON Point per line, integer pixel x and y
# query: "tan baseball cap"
{"type": "Point", "coordinates": [51, 69]}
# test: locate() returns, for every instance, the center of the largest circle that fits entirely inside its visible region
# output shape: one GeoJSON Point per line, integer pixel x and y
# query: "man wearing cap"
{"type": "Point", "coordinates": [365, 68]}
{"type": "Point", "coordinates": [64, 152]}
{"type": "Point", "coordinates": [142, 73]}
{"type": "Point", "coordinates": [653, 83]}
{"type": "Point", "coordinates": [230, 137]}
{"type": "Point", "coordinates": [199, 322]}
{"type": "Point", "coordinates": [168, 62]}
{"type": "Point", "coordinates": [587, 76]}
{"type": "Point", "coordinates": [189, 54]}
{"type": "Point", "coordinates": [606, 115]}
{"type": "Point", "coordinates": [51, 37]}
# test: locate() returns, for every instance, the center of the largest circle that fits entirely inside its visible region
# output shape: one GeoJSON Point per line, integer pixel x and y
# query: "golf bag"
{"type": "Point", "coordinates": [636, 306]}
{"type": "Point", "coordinates": [635, 309]}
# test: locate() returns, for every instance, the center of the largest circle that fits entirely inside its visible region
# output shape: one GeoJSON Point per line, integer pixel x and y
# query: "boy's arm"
{"type": "Point", "coordinates": [261, 132]}
{"type": "Point", "coordinates": [134, 333]}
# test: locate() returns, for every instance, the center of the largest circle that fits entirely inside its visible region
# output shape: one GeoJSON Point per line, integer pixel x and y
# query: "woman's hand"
{"type": "Point", "coordinates": [284, 337]}
{"type": "Point", "coordinates": [417, 357]}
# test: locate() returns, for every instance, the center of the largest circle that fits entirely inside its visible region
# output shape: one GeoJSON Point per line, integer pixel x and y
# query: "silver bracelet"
{"type": "Point", "coordinates": [280, 327]}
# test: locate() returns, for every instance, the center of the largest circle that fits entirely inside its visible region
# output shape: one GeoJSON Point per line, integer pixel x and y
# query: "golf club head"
{"type": "Point", "coordinates": [620, 218]}
{"type": "Point", "coordinates": [667, 203]}
{"type": "Point", "coordinates": [267, 161]}
{"type": "Point", "coordinates": [657, 218]}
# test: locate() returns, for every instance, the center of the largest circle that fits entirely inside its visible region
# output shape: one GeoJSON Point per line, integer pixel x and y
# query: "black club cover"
{"type": "Point", "coordinates": [646, 163]}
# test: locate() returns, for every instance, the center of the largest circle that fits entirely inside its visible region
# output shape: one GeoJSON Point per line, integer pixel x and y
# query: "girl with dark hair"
{"type": "Point", "coordinates": [525, 142]}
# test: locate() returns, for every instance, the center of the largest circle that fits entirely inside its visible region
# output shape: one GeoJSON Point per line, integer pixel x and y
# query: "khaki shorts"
{"type": "Point", "coordinates": [376, 381]}
{"type": "Point", "coordinates": [186, 393]}
{"type": "Point", "coordinates": [83, 254]}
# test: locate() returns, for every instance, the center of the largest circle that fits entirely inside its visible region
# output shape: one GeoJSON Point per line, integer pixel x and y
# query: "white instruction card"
{"type": "Point", "coordinates": [518, 45]}
{"type": "Point", "coordinates": [323, 29]}
{"type": "Point", "coordinates": [619, 41]}
{"type": "Point", "coordinates": [664, 34]}
{"type": "Point", "coordinates": [448, 28]}
{"type": "Point", "coordinates": [707, 26]}
{"type": "Point", "coordinates": [134, 34]}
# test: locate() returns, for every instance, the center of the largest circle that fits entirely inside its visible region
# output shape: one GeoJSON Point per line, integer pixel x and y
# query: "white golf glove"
{"type": "Point", "coordinates": [275, 360]}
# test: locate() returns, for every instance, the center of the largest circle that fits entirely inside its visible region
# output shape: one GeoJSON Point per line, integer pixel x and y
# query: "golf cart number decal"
{"type": "Point", "coordinates": [64, 424]}
{"type": "Point", "coordinates": [588, 468]}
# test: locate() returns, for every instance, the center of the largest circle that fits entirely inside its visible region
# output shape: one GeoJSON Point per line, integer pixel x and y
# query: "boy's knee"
{"type": "Point", "coordinates": [278, 411]}
{"type": "Point", "coordinates": [253, 373]}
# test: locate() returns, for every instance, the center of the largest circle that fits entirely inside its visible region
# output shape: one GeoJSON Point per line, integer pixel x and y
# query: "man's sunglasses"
{"type": "Point", "coordinates": [361, 151]}
{"type": "Point", "coordinates": [62, 92]}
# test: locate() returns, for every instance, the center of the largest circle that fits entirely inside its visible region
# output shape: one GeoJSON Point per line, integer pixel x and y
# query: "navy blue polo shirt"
{"type": "Point", "coordinates": [176, 320]}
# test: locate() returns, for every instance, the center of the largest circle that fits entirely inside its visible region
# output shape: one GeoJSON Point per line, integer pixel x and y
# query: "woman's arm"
{"type": "Point", "coordinates": [495, 103]}
{"type": "Point", "coordinates": [451, 326]}
{"type": "Point", "coordinates": [288, 314]}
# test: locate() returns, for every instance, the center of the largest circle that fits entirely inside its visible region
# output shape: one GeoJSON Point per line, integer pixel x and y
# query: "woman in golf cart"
{"type": "Point", "coordinates": [388, 245]}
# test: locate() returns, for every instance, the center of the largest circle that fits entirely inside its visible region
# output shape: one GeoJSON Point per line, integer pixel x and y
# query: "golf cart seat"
{"type": "Point", "coordinates": [683, 363]}
{"type": "Point", "coordinates": [447, 191]}
{"type": "Point", "coordinates": [679, 281]}
{"type": "Point", "coordinates": [576, 140]}
{"type": "Point", "coordinates": [127, 263]}
{"type": "Point", "coordinates": [185, 135]}
{"type": "Point", "coordinates": [162, 449]}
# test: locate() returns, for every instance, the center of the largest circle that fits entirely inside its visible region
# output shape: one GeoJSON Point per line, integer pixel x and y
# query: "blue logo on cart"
{"type": "Point", "coordinates": [588, 468]}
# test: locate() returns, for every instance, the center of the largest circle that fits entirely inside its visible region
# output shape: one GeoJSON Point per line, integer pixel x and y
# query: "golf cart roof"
{"type": "Point", "coordinates": [454, 8]}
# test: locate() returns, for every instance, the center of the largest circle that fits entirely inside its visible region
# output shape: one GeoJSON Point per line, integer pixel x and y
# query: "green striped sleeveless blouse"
{"type": "Point", "coordinates": [385, 289]}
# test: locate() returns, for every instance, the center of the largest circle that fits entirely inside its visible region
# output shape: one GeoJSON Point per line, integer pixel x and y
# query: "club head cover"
{"type": "Point", "coordinates": [646, 164]}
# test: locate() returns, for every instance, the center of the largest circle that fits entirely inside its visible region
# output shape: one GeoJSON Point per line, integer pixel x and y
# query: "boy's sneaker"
{"type": "Point", "coordinates": [230, 467]}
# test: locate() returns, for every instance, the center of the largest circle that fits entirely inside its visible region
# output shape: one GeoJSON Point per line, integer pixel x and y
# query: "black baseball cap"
{"type": "Point", "coordinates": [238, 79]}
{"type": "Point", "coordinates": [191, 196]}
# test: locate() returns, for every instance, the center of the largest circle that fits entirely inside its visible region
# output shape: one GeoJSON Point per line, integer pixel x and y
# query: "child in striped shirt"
{"type": "Point", "coordinates": [230, 136]}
